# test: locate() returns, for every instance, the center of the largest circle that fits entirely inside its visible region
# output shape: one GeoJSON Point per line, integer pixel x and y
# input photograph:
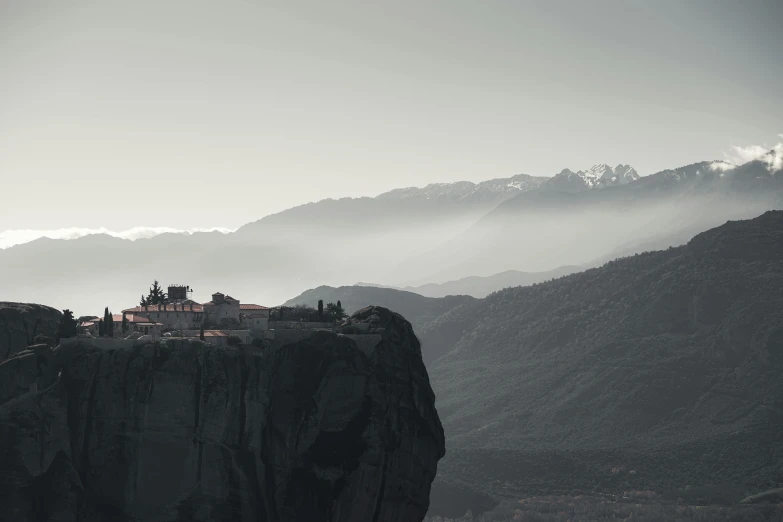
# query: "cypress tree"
{"type": "Point", "coordinates": [124, 324]}
{"type": "Point", "coordinates": [201, 333]}
{"type": "Point", "coordinates": [107, 322]}
{"type": "Point", "coordinates": [101, 329]}
{"type": "Point", "coordinates": [320, 309]}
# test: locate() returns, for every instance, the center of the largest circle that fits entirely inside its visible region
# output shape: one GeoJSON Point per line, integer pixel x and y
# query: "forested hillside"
{"type": "Point", "coordinates": [654, 372]}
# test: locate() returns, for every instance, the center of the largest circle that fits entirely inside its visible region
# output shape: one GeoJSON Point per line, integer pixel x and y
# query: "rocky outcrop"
{"type": "Point", "coordinates": [318, 430]}
{"type": "Point", "coordinates": [20, 323]}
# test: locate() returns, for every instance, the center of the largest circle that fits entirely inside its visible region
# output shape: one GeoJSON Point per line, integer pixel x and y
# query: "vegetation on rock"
{"type": "Point", "coordinates": [67, 326]}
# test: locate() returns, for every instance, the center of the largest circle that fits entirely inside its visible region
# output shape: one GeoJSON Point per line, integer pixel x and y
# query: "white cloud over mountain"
{"type": "Point", "coordinates": [772, 156]}
{"type": "Point", "coordinates": [10, 238]}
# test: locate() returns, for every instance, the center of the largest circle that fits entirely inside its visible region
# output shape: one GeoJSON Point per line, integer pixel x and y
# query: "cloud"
{"type": "Point", "coordinates": [772, 156]}
{"type": "Point", "coordinates": [722, 166]}
{"type": "Point", "coordinates": [11, 238]}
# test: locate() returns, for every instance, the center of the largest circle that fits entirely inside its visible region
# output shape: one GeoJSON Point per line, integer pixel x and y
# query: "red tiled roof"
{"type": "Point", "coordinates": [214, 333]}
{"type": "Point", "coordinates": [252, 307]}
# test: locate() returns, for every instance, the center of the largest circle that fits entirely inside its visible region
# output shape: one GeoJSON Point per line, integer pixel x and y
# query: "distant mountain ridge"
{"type": "Point", "coordinates": [462, 190]}
{"type": "Point", "coordinates": [547, 227]}
{"type": "Point", "coordinates": [480, 287]}
{"type": "Point", "coordinates": [408, 237]}
{"type": "Point", "coordinates": [598, 176]}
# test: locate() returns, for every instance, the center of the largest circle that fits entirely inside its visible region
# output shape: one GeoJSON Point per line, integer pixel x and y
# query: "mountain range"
{"type": "Point", "coordinates": [499, 229]}
{"type": "Point", "coordinates": [654, 372]}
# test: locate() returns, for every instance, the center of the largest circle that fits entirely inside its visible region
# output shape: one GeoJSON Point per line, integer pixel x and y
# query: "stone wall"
{"type": "Point", "coordinates": [245, 335]}
{"type": "Point", "coordinates": [288, 325]}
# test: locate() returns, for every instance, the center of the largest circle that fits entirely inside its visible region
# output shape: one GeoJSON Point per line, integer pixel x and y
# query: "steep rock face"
{"type": "Point", "coordinates": [20, 323]}
{"type": "Point", "coordinates": [319, 430]}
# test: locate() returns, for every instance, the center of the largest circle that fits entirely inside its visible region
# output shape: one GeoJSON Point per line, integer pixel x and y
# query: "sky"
{"type": "Point", "coordinates": [194, 114]}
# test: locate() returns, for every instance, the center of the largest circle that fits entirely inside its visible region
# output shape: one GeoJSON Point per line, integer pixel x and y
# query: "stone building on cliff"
{"type": "Point", "coordinates": [180, 312]}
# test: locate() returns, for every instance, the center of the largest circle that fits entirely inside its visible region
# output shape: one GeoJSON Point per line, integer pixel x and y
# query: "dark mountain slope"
{"type": "Point", "coordinates": [666, 363]}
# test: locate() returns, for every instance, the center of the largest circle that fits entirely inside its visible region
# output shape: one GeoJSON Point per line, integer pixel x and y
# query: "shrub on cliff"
{"type": "Point", "coordinates": [67, 326]}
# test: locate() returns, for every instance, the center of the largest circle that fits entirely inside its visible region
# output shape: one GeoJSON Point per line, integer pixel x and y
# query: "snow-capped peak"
{"type": "Point", "coordinates": [602, 175]}
{"type": "Point", "coordinates": [597, 176]}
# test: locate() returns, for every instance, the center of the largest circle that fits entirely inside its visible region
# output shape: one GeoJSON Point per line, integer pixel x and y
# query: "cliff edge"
{"type": "Point", "coordinates": [318, 430]}
{"type": "Point", "coordinates": [20, 323]}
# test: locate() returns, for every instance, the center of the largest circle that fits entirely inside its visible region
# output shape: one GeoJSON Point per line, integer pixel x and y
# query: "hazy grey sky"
{"type": "Point", "coordinates": [193, 113]}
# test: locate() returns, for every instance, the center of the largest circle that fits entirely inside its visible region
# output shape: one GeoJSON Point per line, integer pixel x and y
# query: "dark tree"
{"type": "Point", "coordinates": [108, 323]}
{"type": "Point", "coordinates": [335, 311]}
{"type": "Point", "coordinates": [339, 304]}
{"type": "Point", "coordinates": [234, 340]}
{"type": "Point", "coordinates": [101, 328]}
{"type": "Point", "coordinates": [320, 309]}
{"type": "Point", "coordinates": [124, 324]}
{"type": "Point", "coordinates": [67, 326]}
{"type": "Point", "coordinates": [156, 295]}
{"type": "Point", "coordinates": [201, 333]}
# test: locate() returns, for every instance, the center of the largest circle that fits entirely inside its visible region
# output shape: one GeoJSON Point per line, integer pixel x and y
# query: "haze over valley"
{"type": "Point", "coordinates": [436, 235]}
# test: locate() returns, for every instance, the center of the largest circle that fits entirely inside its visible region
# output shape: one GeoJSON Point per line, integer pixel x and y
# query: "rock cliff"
{"type": "Point", "coordinates": [318, 430]}
{"type": "Point", "coordinates": [20, 323]}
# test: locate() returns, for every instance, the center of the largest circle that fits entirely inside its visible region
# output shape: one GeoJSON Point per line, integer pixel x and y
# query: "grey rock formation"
{"type": "Point", "coordinates": [20, 323]}
{"type": "Point", "coordinates": [318, 430]}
